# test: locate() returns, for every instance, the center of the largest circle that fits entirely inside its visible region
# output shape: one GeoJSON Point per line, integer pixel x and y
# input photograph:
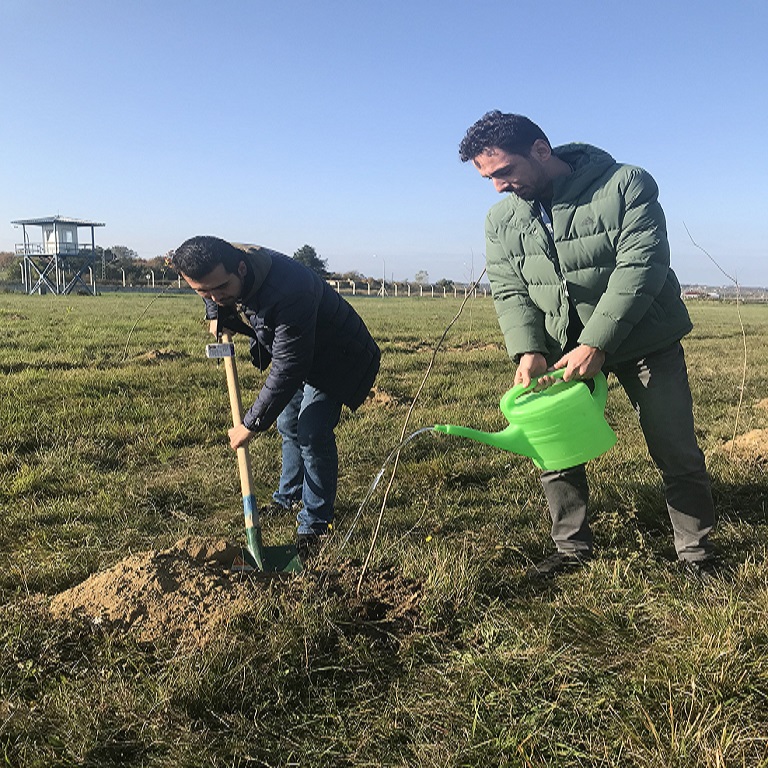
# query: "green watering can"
{"type": "Point", "coordinates": [558, 427]}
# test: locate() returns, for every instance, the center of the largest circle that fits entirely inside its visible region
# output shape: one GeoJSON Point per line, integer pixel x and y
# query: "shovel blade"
{"type": "Point", "coordinates": [279, 559]}
{"type": "Point", "coordinates": [282, 559]}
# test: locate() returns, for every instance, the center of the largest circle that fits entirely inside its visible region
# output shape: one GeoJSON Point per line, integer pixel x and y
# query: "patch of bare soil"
{"type": "Point", "coordinates": [412, 347]}
{"type": "Point", "coordinates": [188, 593]}
{"type": "Point", "coordinates": [379, 397]}
{"type": "Point", "coordinates": [159, 355]}
{"type": "Point", "coordinates": [752, 444]}
{"type": "Point", "coordinates": [762, 403]}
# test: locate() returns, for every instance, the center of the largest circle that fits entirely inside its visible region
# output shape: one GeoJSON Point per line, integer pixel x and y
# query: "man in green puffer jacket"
{"type": "Point", "coordinates": [578, 260]}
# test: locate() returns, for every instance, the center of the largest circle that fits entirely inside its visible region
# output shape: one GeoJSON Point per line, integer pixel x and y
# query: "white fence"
{"type": "Point", "coordinates": [404, 289]}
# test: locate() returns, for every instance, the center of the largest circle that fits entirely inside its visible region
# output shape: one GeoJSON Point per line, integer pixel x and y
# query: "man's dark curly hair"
{"type": "Point", "coordinates": [512, 133]}
{"type": "Point", "coordinates": [200, 255]}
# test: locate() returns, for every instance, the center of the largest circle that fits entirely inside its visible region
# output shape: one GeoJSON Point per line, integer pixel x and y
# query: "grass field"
{"type": "Point", "coordinates": [113, 442]}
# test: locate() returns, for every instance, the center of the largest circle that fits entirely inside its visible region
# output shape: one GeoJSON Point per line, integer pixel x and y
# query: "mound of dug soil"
{"type": "Point", "coordinates": [187, 593]}
{"type": "Point", "coordinates": [752, 444]}
{"type": "Point", "coordinates": [379, 397]}
{"type": "Point", "coordinates": [183, 591]}
{"type": "Point", "coordinates": [158, 355]}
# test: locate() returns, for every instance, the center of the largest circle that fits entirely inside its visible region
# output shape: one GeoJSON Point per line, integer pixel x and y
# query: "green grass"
{"type": "Point", "coordinates": [107, 450]}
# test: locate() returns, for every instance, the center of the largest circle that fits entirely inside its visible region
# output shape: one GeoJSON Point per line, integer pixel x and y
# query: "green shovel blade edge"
{"type": "Point", "coordinates": [283, 558]}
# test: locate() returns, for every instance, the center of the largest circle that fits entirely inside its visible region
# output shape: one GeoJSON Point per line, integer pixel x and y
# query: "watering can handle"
{"type": "Point", "coordinates": [599, 393]}
{"type": "Point", "coordinates": [519, 389]}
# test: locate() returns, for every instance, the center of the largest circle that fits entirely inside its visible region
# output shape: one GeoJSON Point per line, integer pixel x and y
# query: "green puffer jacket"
{"type": "Point", "coordinates": [611, 259]}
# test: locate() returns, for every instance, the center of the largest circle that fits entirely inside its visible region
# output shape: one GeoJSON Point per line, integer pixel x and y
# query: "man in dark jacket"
{"type": "Point", "coordinates": [578, 261]}
{"type": "Point", "coordinates": [319, 353]}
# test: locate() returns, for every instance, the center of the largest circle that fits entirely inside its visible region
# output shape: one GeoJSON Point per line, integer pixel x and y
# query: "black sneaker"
{"type": "Point", "coordinates": [557, 562]}
{"type": "Point", "coordinates": [703, 571]}
{"type": "Point", "coordinates": [273, 509]}
{"type": "Point", "coordinates": [308, 545]}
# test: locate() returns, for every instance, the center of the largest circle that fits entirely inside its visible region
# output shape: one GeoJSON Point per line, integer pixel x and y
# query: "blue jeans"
{"type": "Point", "coordinates": [310, 469]}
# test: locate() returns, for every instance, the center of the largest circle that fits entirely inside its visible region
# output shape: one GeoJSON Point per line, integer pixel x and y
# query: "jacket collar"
{"type": "Point", "coordinates": [259, 261]}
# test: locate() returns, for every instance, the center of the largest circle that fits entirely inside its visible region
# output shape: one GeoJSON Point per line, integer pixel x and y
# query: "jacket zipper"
{"type": "Point", "coordinates": [547, 222]}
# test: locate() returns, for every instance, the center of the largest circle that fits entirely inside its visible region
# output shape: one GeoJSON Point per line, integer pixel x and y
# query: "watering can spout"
{"type": "Point", "coordinates": [508, 439]}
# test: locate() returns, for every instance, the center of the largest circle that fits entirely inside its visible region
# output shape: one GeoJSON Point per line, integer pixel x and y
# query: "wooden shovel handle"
{"type": "Point", "coordinates": [233, 386]}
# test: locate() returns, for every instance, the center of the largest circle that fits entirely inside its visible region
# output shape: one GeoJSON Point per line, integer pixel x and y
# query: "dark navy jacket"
{"type": "Point", "coordinates": [310, 333]}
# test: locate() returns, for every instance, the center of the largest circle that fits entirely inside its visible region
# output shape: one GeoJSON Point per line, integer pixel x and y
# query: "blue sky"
{"type": "Point", "coordinates": [337, 123]}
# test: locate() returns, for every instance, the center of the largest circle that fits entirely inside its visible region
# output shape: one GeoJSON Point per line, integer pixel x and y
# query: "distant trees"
{"type": "Point", "coordinates": [354, 276]}
{"type": "Point", "coordinates": [113, 265]}
{"type": "Point", "coordinates": [307, 256]}
{"type": "Point", "coordinates": [9, 267]}
{"type": "Point", "coordinates": [120, 252]}
{"type": "Point", "coordinates": [119, 262]}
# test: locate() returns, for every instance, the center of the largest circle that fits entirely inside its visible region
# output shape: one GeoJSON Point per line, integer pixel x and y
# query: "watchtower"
{"type": "Point", "coordinates": [57, 261]}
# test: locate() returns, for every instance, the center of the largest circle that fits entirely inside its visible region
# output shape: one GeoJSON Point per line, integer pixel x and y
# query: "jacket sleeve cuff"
{"type": "Point", "coordinates": [252, 424]}
{"type": "Point", "coordinates": [211, 309]}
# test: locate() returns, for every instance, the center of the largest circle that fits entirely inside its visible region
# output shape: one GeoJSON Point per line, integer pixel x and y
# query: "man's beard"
{"type": "Point", "coordinates": [542, 191]}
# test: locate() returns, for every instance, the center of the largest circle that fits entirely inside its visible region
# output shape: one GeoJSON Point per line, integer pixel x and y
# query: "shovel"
{"type": "Point", "coordinates": [278, 559]}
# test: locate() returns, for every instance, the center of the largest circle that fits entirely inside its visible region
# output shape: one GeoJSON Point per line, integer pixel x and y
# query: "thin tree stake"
{"type": "Point", "coordinates": [743, 339]}
{"type": "Point", "coordinates": [138, 319]}
{"type": "Point", "coordinates": [469, 295]}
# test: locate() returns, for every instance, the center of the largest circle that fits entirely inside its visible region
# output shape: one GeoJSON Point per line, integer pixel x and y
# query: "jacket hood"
{"type": "Point", "coordinates": [588, 163]}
